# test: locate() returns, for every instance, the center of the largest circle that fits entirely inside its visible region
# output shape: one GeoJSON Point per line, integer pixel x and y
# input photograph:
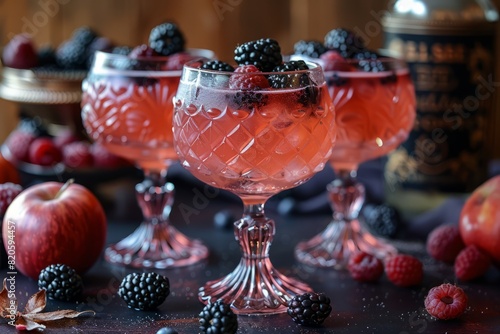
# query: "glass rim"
{"type": "Point", "coordinates": [188, 67]}
{"type": "Point", "coordinates": [197, 52]}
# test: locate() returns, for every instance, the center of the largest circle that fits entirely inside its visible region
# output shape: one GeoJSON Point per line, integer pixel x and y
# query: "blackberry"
{"type": "Point", "coordinates": [309, 309]}
{"type": "Point", "coordinates": [47, 56]}
{"type": "Point", "coordinates": [264, 53]}
{"type": "Point", "coordinates": [72, 56]}
{"type": "Point", "coordinates": [310, 48]}
{"type": "Point", "coordinates": [84, 36]}
{"type": "Point", "coordinates": [290, 80]}
{"type": "Point", "coordinates": [217, 65]}
{"type": "Point", "coordinates": [248, 100]}
{"type": "Point", "coordinates": [145, 291]}
{"type": "Point", "coordinates": [121, 50]}
{"type": "Point", "coordinates": [218, 318]}
{"type": "Point", "coordinates": [344, 41]}
{"type": "Point", "coordinates": [383, 220]}
{"type": "Point", "coordinates": [60, 282]}
{"type": "Point", "coordinates": [166, 330]}
{"type": "Point", "coordinates": [166, 39]}
{"type": "Point", "coordinates": [369, 61]}
{"type": "Point", "coordinates": [307, 96]}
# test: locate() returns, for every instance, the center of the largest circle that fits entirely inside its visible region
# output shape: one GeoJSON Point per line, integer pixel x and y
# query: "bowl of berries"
{"type": "Point", "coordinates": [40, 156]}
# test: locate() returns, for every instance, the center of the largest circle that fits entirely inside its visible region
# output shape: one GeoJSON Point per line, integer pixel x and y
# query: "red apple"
{"type": "Point", "coordinates": [52, 222]}
{"type": "Point", "coordinates": [480, 218]}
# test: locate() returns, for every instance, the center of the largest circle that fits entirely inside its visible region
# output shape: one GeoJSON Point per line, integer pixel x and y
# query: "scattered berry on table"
{"type": "Point", "coordinates": [404, 270]}
{"type": "Point", "coordinates": [471, 263]}
{"type": "Point", "coordinates": [264, 53]}
{"type": "Point", "coordinates": [60, 282]}
{"type": "Point", "coordinates": [166, 39]}
{"type": "Point", "coordinates": [248, 82]}
{"type": "Point", "coordinates": [144, 291]}
{"type": "Point", "coordinates": [309, 309]}
{"type": "Point", "coordinates": [8, 191]}
{"type": "Point", "coordinates": [369, 61]}
{"type": "Point", "coordinates": [365, 267]}
{"type": "Point", "coordinates": [44, 152]}
{"type": "Point", "coordinates": [218, 318]}
{"type": "Point", "coordinates": [224, 220]}
{"type": "Point", "coordinates": [309, 48]}
{"type": "Point", "coordinates": [344, 41]}
{"type": "Point", "coordinates": [167, 330]}
{"type": "Point", "coordinates": [444, 243]}
{"type": "Point", "coordinates": [382, 220]}
{"type": "Point", "coordinates": [446, 301]}
{"type": "Point", "coordinates": [217, 65]}
{"type": "Point", "coordinates": [77, 155]}
{"type": "Point", "coordinates": [18, 142]}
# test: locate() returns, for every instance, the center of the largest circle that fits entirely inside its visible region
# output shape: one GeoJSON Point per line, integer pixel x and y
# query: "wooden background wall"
{"type": "Point", "coordinates": [214, 24]}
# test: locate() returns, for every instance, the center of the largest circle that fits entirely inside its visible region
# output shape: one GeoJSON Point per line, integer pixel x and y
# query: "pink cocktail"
{"type": "Point", "coordinates": [375, 111]}
{"type": "Point", "coordinates": [127, 107]}
{"type": "Point", "coordinates": [254, 142]}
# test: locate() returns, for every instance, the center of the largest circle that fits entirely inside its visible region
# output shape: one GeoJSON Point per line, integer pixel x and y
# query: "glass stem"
{"type": "Point", "coordinates": [346, 195]}
{"type": "Point", "coordinates": [255, 232]}
{"type": "Point", "coordinates": [155, 196]}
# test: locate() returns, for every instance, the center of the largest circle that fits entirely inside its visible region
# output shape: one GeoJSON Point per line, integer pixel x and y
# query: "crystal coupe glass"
{"type": "Point", "coordinates": [127, 106]}
{"type": "Point", "coordinates": [254, 143]}
{"type": "Point", "coordinates": [375, 111]}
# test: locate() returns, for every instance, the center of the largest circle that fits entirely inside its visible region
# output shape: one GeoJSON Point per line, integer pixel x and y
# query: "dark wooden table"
{"type": "Point", "coordinates": [357, 307]}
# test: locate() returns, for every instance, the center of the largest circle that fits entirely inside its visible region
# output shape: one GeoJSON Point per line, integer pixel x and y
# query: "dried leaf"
{"type": "Point", "coordinates": [56, 315]}
{"type": "Point", "coordinates": [26, 324]}
{"type": "Point", "coordinates": [6, 304]}
{"type": "Point", "coordinates": [36, 303]}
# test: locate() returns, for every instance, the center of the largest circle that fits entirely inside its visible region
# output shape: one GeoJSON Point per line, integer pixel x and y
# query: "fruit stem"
{"type": "Point", "coordinates": [64, 187]}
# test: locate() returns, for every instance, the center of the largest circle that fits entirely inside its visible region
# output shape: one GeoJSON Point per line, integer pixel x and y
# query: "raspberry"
{"type": "Point", "coordinates": [248, 82]}
{"type": "Point", "coordinates": [446, 301]}
{"type": "Point", "coordinates": [8, 191]}
{"type": "Point", "coordinates": [471, 263]}
{"type": "Point", "coordinates": [64, 138]}
{"type": "Point", "coordinates": [20, 53]}
{"type": "Point", "coordinates": [103, 158]}
{"type": "Point", "coordinates": [365, 267]}
{"type": "Point", "coordinates": [44, 152]}
{"type": "Point", "coordinates": [263, 53]}
{"type": "Point", "coordinates": [77, 155]}
{"type": "Point", "coordinates": [444, 243]}
{"type": "Point", "coordinates": [404, 270]}
{"type": "Point", "coordinates": [176, 61]}
{"type": "Point", "coordinates": [333, 61]}
{"type": "Point", "coordinates": [143, 51]}
{"type": "Point", "coordinates": [18, 142]}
